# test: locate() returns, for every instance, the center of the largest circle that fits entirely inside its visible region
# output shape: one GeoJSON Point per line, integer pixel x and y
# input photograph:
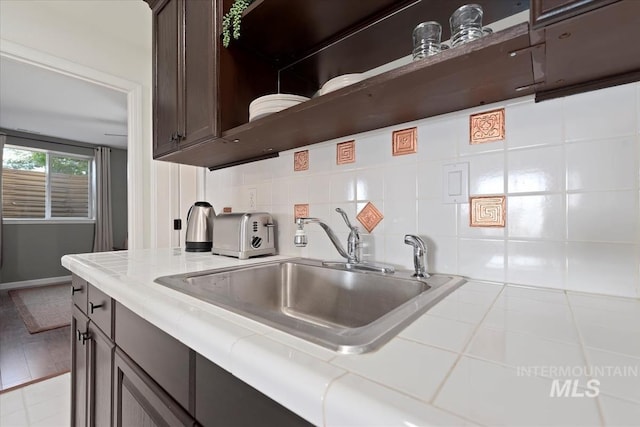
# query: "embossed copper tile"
{"type": "Point", "coordinates": [300, 211]}
{"type": "Point", "coordinates": [405, 141]}
{"type": "Point", "coordinates": [486, 127]}
{"type": "Point", "coordinates": [487, 211]}
{"type": "Point", "coordinates": [226, 210]}
{"type": "Point", "coordinates": [345, 152]}
{"type": "Point", "coordinates": [369, 217]}
{"type": "Point", "coordinates": [301, 160]}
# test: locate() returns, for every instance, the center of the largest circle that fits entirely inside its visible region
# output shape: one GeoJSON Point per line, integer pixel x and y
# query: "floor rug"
{"type": "Point", "coordinates": [43, 308]}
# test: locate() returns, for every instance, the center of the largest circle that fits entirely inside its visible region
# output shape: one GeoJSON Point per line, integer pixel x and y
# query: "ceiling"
{"type": "Point", "coordinates": [38, 100]}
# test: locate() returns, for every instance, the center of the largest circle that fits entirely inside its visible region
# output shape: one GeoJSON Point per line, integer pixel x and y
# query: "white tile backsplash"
{"type": "Point", "coordinates": [570, 169]}
{"type": "Point", "coordinates": [486, 174]}
{"type": "Point", "coordinates": [601, 114]}
{"type": "Point", "coordinates": [482, 259]}
{"type": "Point", "coordinates": [603, 216]}
{"type": "Point", "coordinates": [547, 129]}
{"type": "Point", "coordinates": [436, 218]}
{"type": "Point", "coordinates": [343, 187]}
{"type": "Point", "coordinates": [541, 263]}
{"type": "Point", "coordinates": [370, 184]}
{"type": "Point", "coordinates": [439, 140]}
{"type": "Point", "coordinates": [537, 217]}
{"type": "Point", "coordinates": [603, 164]}
{"type": "Point", "coordinates": [536, 170]}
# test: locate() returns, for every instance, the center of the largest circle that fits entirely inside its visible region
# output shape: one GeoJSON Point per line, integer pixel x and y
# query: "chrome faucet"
{"type": "Point", "coordinates": [419, 255]}
{"type": "Point", "coordinates": [353, 241]}
{"type": "Point", "coordinates": [352, 254]}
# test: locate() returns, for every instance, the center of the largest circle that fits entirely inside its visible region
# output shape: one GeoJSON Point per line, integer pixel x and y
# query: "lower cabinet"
{"type": "Point", "coordinates": [91, 367]}
{"type": "Point", "coordinates": [101, 350]}
{"type": "Point", "coordinates": [79, 368]}
{"type": "Point", "coordinates": [139, 401]}
{"type": "Point", "coordinates": [126, 372]}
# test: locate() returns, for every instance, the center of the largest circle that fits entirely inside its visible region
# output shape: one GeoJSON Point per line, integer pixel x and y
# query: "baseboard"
{"type": "Point", "coordinates": [33, 283]}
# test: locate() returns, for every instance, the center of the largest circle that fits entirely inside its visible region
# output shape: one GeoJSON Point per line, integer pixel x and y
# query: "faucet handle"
{"type": "Point", "coordinates": [346, 219]}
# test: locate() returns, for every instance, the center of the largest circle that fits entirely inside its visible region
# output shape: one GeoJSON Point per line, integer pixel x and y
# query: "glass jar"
{"type": "Point", "coordinates": [466, 24]}
{"type": "Point", "coordinates": [426, 39]}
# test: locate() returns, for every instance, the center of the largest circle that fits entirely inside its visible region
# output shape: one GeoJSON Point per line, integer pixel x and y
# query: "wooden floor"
{"type": "Point", "coordinates": [25, 358]}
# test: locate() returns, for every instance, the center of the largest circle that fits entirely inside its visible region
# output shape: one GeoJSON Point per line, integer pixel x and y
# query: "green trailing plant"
{"type": "Point", "coordinates": [231, 21]}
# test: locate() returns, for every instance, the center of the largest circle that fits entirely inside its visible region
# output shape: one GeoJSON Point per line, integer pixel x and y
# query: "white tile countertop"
{"type": "Point", "coordinates": [488, 354]}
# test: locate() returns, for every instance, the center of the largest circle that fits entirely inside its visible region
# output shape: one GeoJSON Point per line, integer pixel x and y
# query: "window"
{"type": "Point", "coordinates": [40, 184]}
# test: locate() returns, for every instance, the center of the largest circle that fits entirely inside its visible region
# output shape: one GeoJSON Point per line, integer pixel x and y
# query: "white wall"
{"type": "Point", "coordinates": [114, 37]}
{"type": "Point", "coordinates": [568, 167]}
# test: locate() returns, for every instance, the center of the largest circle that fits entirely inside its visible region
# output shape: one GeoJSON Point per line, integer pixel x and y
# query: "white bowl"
{"type": "Point", "coordinates": [270, 104]}
{"type": "Point", "coordinates": [340, 82]}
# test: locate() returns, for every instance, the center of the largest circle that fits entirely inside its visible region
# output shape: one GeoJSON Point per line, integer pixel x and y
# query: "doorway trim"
{"type": "Point", "coordinates": [135, 143]}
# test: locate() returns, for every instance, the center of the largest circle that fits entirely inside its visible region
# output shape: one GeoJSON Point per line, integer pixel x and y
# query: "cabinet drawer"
{"type": "Point", "coordinates": [79, 292]}
{"type": "Point", "coordinates": [161, 356]}
{"type": "Point", "coordinates": [100, 309]}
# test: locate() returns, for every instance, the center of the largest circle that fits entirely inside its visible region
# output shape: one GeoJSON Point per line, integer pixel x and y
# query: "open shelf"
{"type": "Point", "coordinates": [310, 40]}
{"type": "Point", "coordinates": [480, 72]}
{"type": "Point", "coordinates": [294, 47]}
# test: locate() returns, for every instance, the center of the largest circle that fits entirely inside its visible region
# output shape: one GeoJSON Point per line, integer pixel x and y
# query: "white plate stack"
{"type": "Point", "coordinates": [340, 82]}
{"type": "Point", "coordinates": [270, 104]}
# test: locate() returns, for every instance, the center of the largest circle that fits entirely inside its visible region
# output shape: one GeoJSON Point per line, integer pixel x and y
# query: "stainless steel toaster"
{"type": "Point", "coordinates": [244, 235]}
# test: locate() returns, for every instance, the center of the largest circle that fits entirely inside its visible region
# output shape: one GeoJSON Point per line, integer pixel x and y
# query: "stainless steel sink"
{"type": "Point", "coordinates": [341, 309]}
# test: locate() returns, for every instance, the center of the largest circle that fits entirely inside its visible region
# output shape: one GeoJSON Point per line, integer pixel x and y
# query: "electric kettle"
{"type": "Point", "coordinates": [199, 235]}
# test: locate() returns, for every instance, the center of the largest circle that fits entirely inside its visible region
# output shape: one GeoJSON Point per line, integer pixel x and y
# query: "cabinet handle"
{"type": "Point", "coordinates": [86, 336]}
{"type": "Point", "coordinates": [79, 334]}
{"type": "Point", "coordinates": [93, 307]}
{"type": "Point", "coordinates": [74, 290]}
{"type": "Point", "coordinates": [179, 136]}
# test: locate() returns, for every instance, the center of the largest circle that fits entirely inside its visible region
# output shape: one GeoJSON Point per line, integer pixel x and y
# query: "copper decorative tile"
{"type": "Point", "coordinates": [486, 127]}
{"type": "Point", "coordinates": [487, 211]}
{"type": "Point", "coordinates": [300, 211]}
{"type": "Point", "coordinates": [226, 210]}
{"type": "Point", "coordinates": [301, 160]}
{"type": "Point", "coordinates": [369, 217]}
{"type": "Point", "coordinates": [405, 141]}
{"type": "Point", "coordinates": [346, 152]}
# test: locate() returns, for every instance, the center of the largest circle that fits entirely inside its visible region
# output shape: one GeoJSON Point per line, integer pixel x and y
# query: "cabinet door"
{"type": "Point", "coordinates": [79, 368]}
{"type": "Point", "coordinates": [139, 401]}
{"type": "Point", "coordinates": [100, 389]}
{"type": "Point", "coordinates": [167, 47]}
{"type": "Point", "coordinates": [199, 116]}
{"type": "Point", "coordinates": [545, 12]}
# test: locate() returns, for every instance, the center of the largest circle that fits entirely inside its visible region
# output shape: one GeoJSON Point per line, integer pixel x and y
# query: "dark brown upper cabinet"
{"type": "Point", "coordinates": [185, 75]}
{"type": "Point", "coordinates": [545, 12]}
{"type": "Point", "coordinates": [587, 45]}
{"type": "Point", "coordinates": [291, 46]}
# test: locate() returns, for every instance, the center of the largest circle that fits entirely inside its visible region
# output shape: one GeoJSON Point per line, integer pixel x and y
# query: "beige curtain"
{"type": "Point", "coordinates": [3, 139]}
{"type": "Point", "coordinates": [103, 237]}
